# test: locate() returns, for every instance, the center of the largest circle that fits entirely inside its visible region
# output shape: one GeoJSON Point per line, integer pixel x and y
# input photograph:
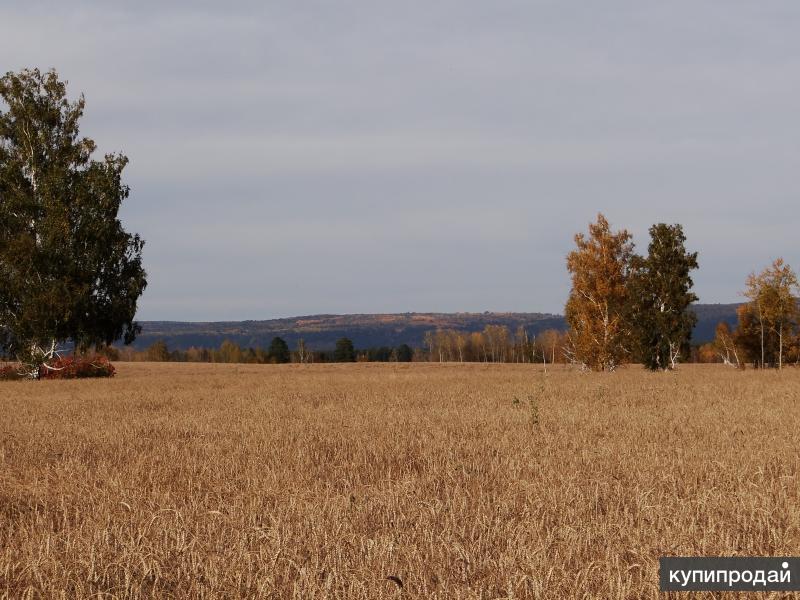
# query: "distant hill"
{"type": "Point", "coordinates": [708, 315]}
{"type": "Point", "coordinates": [320, 332]}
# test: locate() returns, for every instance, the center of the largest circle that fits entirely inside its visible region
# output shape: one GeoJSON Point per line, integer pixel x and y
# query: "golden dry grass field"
{"type": "Point", "coordinates": [321, 481]}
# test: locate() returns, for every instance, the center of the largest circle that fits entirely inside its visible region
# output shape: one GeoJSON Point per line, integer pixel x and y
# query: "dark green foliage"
{"type": "Point", "coordinates": [378, 354]}
{"type": "Point", "coordinates": [230, 352]}
{"type": "Point", "coordinates": [404, 353]}
{"type": "Point", "coordinates": [68, 270]}
{"type": "Point", "coordinates": [344, 352]}
{"type": "Point", "coordinates": [659, 297]}
{"type": "Point", "coordinates": [278, 352]}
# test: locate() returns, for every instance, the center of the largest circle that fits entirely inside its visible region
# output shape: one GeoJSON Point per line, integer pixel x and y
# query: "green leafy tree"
{"type": "Point", "coordinates": [68, 270]}
{"type": "Point", "coordinates": [344, 352]}
{"type": "Point", "coordinates": [278, 352]}
{"type": "Point", "coordinates": [659, 292]}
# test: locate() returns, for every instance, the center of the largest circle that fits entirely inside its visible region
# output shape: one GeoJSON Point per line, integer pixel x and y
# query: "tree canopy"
{"type": "Point", "coordinates": [68, 269]}
{"type": "Point", "coordinates": [278, 352]}
{"type": "Point", "coordinates": [660, 295]}
{"type": "Point", "coordinates": [345, 351]}
{"type": "Point", "coordinates": [770, 318]}
{"type": "Point", "coordinates": [597, 301]}
{"type": "Point", "coordinates": [404, 353]}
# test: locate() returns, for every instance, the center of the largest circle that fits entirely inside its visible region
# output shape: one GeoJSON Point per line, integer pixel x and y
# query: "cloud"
{"type": "Point", "coordinates": [364, 156]}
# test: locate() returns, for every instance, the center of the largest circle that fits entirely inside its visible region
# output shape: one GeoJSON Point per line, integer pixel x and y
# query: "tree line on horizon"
{"type": "Point", "coordinates": [622, 308]}
{"type": "Point", "coordinates": [495, 344]}
{"type": "Point", "coordinates": [278, 352]}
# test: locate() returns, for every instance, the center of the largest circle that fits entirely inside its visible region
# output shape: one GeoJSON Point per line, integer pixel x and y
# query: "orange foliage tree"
{"type": "Point", "coordinates": [597, 302]}
{"type": "Point", "coordinates": [768, 323]}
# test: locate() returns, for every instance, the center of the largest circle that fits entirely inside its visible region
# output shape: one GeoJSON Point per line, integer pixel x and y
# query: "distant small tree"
{"type": "Point", "coordinates": [522, 345]}
{"type": "Point", "coordinates": [278, 352]}
{"type": "Point", "coordinates": [345, 351]}
{"type": "Point", "coordinates": [405, 353]}
{"type": "Point", "coordinates": [430, 343]}
{"type": "Point", "coordinates": [476, 347]}
{"type": "Point", "coordinates": [193, 354]}
{"type": "Point", "coordinates": [302, 351]}
{"type": "Point", "coordinates": [251, 356]}
{"type": "Point", "coordinates": [724, 345]}
{"type": "Point", "coordinates": [158, 352]}
{"type": "Point", "coordinates": [774, 306]}
{"type": "Point", "coordinates": [706, 353]}
{"type": "Point", "coordinates": [497, 339]}
{"type": "Point", "coordinates": [229, 352]}
{"type": "Point", "coordinates": [751, 336]}
{"type": "Point", "coordinates": [549, 344]}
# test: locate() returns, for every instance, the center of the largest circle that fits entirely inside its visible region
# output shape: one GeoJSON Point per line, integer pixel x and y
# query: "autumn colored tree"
{"type": "Point", "coordinates": [549, 345]}
{"type": "Point", "coordinates": [793, 350]}
{"type": "Point", "coordinates": [659, 294]}
{"type": "Point", "coordinates": [724, 345]}
{"type": "Point", "coordinates": [158, 352]}
{"type": "Point", "coordinates": [598, 298]}
{"type": "Point", "coordinates": [772, 310]}
{"type": "Point", "coordinates": [477, 347]}
{"type": "Point", "coordinates": [751, 338]}
{"type": "Point", "coordinates": [523, 347]}
{"type": "Point", "coordinates": [707, 353]}
{"type": "Point", "coordinates": [497, 342]}
{"type": "Point", "coordinates": [229, 352]}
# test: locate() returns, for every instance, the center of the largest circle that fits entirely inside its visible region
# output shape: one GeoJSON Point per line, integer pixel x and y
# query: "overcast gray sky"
{"type": "Point", "coordinates": [361, 156]}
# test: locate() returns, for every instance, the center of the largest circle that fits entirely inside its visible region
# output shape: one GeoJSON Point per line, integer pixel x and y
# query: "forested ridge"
{"type": "Point", "coordinates": [370, 330]}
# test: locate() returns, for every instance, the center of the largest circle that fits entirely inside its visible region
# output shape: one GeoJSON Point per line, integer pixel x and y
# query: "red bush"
{"type": "Point", "coordinates": [72, 367]}
{"type": "Point", "coordinates": [10, 373]}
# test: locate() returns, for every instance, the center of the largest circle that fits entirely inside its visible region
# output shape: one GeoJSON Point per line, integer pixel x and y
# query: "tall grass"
{"type": "Point", "coordinates": [388, 481]}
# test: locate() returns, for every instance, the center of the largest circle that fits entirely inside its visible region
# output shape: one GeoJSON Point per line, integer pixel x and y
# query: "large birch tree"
{"type": "Point", "coordinates": [69, 272]}
{"type": "Point", "coordinates": [598, 298]}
